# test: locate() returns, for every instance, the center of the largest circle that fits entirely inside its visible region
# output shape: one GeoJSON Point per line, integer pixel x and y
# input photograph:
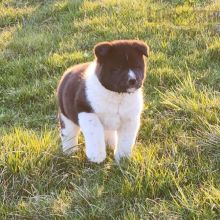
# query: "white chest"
{"type": "Point", "coordinates": [108, 111]}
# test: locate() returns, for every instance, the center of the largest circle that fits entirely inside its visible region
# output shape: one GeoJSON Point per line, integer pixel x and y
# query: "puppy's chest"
{"type": "Point", "coordinates": [110, 116]}
{"type": "Point", "coordinates": [114, 110]}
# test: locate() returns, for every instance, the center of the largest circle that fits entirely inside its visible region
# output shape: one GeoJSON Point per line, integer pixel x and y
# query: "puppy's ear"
{"type": "Point", "coordinates": [102, 49]}
{"type": "Point", "coordinates": [142, 48]}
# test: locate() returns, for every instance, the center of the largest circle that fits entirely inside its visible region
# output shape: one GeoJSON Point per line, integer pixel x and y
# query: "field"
{"type": "Point", "coordinates": [174, 172]}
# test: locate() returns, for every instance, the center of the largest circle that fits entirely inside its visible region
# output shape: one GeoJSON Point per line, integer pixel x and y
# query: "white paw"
{"type": "Point", "coordinates": [122, 154]}
{"type": "Point", "coordinates": [70, 150]}
{"type": "Point", "coordinates": [96, 156]}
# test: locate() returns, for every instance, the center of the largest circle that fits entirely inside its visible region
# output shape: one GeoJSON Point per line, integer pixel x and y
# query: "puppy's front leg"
{"type": "Point", "coordinates": [93, 132]}
{"type": "Point", "coordinates": [126, 138]}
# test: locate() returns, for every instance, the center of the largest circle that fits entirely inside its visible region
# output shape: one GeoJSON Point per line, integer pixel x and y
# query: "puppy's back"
{"type": "Point", "coordinates": [71, 92]}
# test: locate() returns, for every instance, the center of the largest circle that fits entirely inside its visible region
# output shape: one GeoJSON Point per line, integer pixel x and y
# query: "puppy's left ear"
{"type": "Point", "coordinates": [142, 48]}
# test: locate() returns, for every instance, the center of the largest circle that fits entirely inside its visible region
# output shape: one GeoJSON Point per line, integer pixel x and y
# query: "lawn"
{"type": "Point", "coordinates": [174, 172]}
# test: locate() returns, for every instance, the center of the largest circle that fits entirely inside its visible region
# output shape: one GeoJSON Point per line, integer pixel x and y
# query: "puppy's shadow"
{"type": "Point", "coordinates": [78, 160]}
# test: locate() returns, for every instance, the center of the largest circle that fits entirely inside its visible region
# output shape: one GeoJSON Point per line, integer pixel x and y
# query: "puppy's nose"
{"type": "Point", "coordinates": [132, 82]}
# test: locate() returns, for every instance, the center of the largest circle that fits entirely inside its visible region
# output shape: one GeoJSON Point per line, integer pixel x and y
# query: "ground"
{"type": "Point", "coordinates": [174, 170]}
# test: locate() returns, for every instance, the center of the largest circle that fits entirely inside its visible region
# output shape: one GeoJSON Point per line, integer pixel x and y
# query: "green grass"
{"type": "Point", "coordinates": [174, 172]}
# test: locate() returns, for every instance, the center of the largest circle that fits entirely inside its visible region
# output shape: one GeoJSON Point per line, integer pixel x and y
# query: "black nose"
{"type": "Point", "coordinates": [132, 82]}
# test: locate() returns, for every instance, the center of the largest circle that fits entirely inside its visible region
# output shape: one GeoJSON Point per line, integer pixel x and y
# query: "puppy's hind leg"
{"type": "Point", "coordinates": [69, 135]}
{"type": "Point", "coordinates": [111, 138]}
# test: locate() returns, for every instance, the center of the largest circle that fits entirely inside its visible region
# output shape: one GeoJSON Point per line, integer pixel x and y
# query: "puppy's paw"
{"type": "Point", "coordinates": [96, 156]}
{"type": "Point", "coordinates": [69, 151]}
{"type": "Point", "coordinates": [122, 154]}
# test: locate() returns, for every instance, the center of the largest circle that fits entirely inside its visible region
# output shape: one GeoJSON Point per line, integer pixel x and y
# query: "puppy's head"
{"type": "Point", "coordinates": [121, 65]}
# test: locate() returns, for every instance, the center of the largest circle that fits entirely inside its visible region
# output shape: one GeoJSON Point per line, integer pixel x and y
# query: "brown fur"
{"type": "Point", "coordinates": [71, 93]}
{"type": "Point", "coordinates": [114, 60]}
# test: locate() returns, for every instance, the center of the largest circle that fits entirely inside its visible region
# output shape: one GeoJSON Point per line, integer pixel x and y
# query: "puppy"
{"type": "Point", "coordinates": [104, 100]}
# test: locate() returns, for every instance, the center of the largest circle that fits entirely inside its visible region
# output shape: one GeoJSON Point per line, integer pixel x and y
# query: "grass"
{"type": "Point", "coordinates": [174, 172]}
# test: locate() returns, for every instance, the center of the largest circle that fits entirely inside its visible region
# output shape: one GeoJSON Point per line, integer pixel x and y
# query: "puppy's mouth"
{"type": "Point", "coordinates": [131, 90]}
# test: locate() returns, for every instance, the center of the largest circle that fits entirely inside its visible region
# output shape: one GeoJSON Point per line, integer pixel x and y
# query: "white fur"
{"type": "Point", "coordinates": [131, 74]}
{"type": "Point", "coordinates": [69, 135]}
{"type": "Point", "coordinates": [126, 138]}
{"type": "Point", "coordinates": [93, 132]}
{"type": "Point", "coordinates": [111, 138]}
{"type": "Point", "coordinates": [131, 90]}
{"type": "Point", "coordinates": [113, 111]}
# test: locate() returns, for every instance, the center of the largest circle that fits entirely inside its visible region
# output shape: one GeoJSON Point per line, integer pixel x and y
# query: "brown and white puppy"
{"type": "Point", "coordinates": [104, 99]}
